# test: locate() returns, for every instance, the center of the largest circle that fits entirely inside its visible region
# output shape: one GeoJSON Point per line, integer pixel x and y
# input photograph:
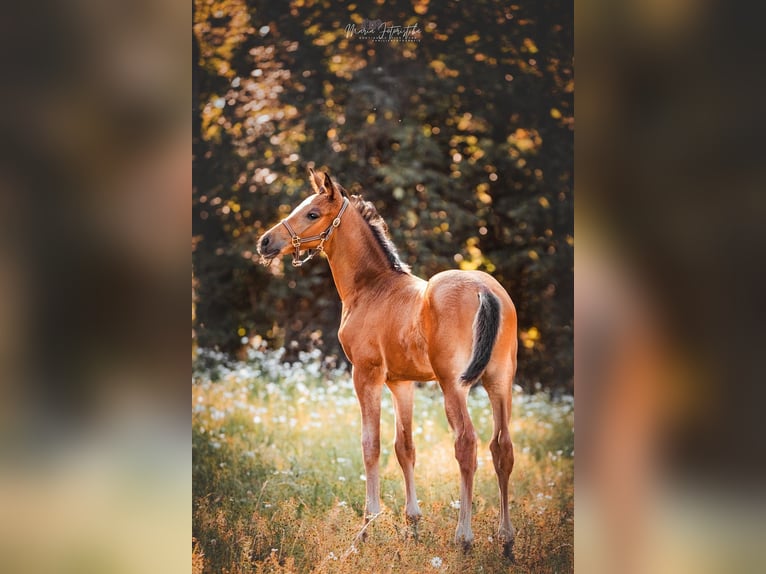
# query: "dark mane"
{"type": "Point", "coordinates": [380, 231]}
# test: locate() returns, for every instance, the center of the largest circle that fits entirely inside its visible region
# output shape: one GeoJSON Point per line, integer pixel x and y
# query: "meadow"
{"type": "Point", "coordinates": [278, 477]}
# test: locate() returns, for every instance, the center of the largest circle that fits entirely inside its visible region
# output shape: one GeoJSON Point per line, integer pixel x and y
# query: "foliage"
{"type": "Point", "coordinates": [462, 139]}
{"type": "Point", "coordinates": [278, 476]}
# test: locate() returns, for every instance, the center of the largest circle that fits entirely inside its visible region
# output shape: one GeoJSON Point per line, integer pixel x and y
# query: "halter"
{"type": "Point", "coordinates": [297, 240]}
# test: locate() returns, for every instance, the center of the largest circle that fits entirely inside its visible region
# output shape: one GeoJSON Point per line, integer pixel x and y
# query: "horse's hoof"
{"type": "Point", "coordinates": [413, 518]}
{"type": "Point", "coordinates": [413, 521]}
{"type": "Point", "coordinates": [361, 538]}
{"type": "Point", "coordinates": [465, 542]}
{"type": "Point", "coordinates": [508, 551]}
{"type": "Point", "coordinates": [464, 537]}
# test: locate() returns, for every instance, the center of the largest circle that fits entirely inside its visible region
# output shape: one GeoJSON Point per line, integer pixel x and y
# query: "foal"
{"type": "Point", "coordinates": [457, 328]}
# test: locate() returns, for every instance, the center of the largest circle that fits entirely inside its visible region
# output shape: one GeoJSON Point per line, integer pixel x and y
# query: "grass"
{"type": "Point", "coordinates": [278, 478]}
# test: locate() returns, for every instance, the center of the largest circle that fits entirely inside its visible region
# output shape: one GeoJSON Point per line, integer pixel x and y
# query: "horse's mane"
{"type": "Point", "coordinates": [379, 231]}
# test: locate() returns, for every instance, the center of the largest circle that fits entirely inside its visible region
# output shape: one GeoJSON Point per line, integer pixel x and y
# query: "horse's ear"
{"type": "Point", "coordinates": [316, 180]}
{"type": "Point", "coordinates": [329, 187]}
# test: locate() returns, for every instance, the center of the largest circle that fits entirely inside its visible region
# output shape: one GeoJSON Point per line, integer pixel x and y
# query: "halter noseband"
{"type": "Point", "coordinates": [297, 240]}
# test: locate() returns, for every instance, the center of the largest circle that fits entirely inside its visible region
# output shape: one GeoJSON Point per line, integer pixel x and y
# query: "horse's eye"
{"type": "Point", "coordinates": [313, 215]}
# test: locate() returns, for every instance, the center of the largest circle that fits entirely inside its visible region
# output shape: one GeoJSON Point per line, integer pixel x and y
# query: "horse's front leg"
{"type": "Point", "coordinates": [368, 385]}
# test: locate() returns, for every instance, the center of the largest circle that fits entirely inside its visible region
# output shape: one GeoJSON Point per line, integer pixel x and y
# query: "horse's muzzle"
{"type": "Point", "coordinates": [267, 249]}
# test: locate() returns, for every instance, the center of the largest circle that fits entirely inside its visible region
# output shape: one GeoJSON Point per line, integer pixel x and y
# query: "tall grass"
{"type": "Point", "coordinates": [279, 478]}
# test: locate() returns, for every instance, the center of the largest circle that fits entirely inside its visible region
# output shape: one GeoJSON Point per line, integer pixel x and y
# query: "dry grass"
{"type": "Point", "coordinates": [278, 478]}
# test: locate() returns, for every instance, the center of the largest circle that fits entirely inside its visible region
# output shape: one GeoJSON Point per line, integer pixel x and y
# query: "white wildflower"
{"type": "Point", "coordinates": [436, 562]}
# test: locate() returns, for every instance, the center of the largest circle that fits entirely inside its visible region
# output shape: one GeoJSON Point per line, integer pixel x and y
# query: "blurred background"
{"type": "Point", "coordinates": [669, 276]}
{"type": "Point", "coordinates": [94, 228]}
{"type": "Point", "coordinates": [461, 137]}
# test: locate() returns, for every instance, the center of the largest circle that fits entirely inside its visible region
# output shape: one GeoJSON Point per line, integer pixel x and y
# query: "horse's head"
{"type": "Point", "coordinates": [309, 225]}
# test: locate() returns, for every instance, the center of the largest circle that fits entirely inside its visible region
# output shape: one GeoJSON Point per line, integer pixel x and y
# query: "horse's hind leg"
{"type": "Point", "coordinates": [402, 393]}
{"type": "Point", "coordinates": [498, 384]}
{"type": "Point", "coordinates": [455, 405]}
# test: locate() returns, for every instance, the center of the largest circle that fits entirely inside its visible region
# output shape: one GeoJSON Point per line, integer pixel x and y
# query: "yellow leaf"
{"type": "Point", "coordinates": [529, 337]}
{"type": "Point", "coordinates": [421, 7]}
{"type": "Point", "coordinates": [438, 66]}
{"type": "Point", "coordinates": [555, 114]}
{"type": "Point", "coordinates": [530, 46]}
{"type": "Point", "coordinates": [472, 39]}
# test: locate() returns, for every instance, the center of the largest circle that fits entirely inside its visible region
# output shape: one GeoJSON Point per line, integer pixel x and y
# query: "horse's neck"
{"type": "Point", "coordinates": [357, 261]}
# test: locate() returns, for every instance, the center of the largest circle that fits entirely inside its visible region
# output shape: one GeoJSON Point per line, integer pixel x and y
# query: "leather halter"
{"type": "Point", "coordinates": [297, 240]}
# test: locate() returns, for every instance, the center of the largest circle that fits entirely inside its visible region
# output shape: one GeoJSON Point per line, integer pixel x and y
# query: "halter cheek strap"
{"type": "Point", "coordinates": [297, 240]}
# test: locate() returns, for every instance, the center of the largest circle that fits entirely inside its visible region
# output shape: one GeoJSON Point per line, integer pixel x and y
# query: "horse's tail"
{"type": "Point", "coordinates": [486, 325]}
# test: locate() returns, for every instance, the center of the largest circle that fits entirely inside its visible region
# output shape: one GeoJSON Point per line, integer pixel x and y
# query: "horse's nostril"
{"type": "Point", "coordinates": [264, 241]}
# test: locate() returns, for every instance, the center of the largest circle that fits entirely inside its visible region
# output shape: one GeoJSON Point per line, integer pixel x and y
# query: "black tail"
{"type": "Point", "coordinates": [485, 328]}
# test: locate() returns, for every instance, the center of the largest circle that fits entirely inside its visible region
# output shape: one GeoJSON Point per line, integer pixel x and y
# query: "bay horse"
{"type": "Point", "coordinates": [396, 328]}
